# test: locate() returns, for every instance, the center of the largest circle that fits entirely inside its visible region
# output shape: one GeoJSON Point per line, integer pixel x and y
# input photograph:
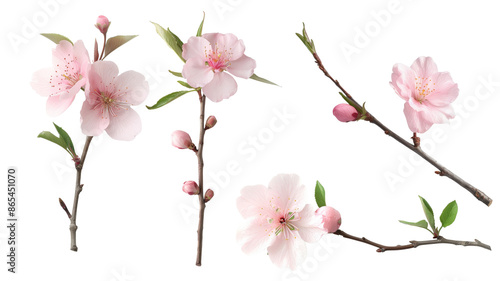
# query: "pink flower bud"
{"type": "Point", "coordinates": [191, 188]}
{"type": "Point", "coordinates": [211, 121]}
{"type": "Point", "coordinates": [330, 218]}
{"type": "Point", "coordinates": [208, 195]}
{"type": "Point", "coordinates": [345, 112]}
{"type": "Point", "coordinates": [182, 140]}
{"type": "Point", "coordinates": [102, 24]}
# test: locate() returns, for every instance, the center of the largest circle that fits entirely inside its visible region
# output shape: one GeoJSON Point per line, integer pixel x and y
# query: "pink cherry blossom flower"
{"type": "Point", "coordinates": [207, 59]}
{"type": "Point", "coordinates": [345, 112]}
{"type": "Point", "coordinates": [108, 102]}
{"type": "Point", "coordinates": [65, 78]}
{"type": "Point", "coordinates": [427, 92]}
{"type": "Point", "coordinates": [278, 218]}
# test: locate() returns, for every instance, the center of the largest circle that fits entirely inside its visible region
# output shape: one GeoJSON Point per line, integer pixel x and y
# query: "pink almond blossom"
{"type": "Point", "coordinates": [277, 217]}
{"type": "Point", "coordinates": [61, 82]}
{"type": "Point", "coordinates": [428, 93]}
{"type": "Point", "coordinates": [108, 102]}
{"type": "Point", "coordinates": [345, 112]}
{"type": "Point", "coordinates": [207, 59]}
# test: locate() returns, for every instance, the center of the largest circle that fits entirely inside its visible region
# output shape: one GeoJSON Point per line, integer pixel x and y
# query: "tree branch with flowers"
{"type": "Point", "coordinates": [209, 60]}
{"type": "Point", "coordinates": [108, 98]}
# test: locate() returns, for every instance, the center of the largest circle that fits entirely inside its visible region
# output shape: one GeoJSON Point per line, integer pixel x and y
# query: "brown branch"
{"type": "Point", "coordinates": [443, 171]}
{"type": "Point", "coordinates": [413, 243]}
{"type": "Point", "coordinates": [78, 189]}
{"type": "Point", "coordinates": [201, 197]}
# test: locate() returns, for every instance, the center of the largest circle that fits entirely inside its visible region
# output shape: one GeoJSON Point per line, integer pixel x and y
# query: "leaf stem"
{"type": "Point", "coordinates": [443, 171]}
{"type": "Point", "coordinates": [201, 196]}
{"type": "Point", "coordinates": [103, 47]}
{"type": "Point", "coordinates": [78, 189]}
{"type": "Point", "coordinates": [413, 243]}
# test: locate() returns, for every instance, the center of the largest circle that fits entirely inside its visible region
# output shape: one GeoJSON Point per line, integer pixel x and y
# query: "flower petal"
{"type": "Point", "coordinates": [221, 87]}
{"type": "Point", "coordinates": [289, 193]}
{"type": "Point", "coordinates": [93, 121]}
{"type": "Point", "coordinates": [228, 42]}
{"type": "Point", "coordinates": [124, 125]}
{"type": "Point", "coordinates": [446, 91]}
{"type": "Point", "coordinates": [309, 225]}
{"type": "Point", "coordinates": [132, 86]}
{"type": "Point", "coordinates": [41, 82]}
{"type": "Point", "coordinates": [403, 80]}
{"type": "Point", "coordinates": [196, 48]}
{"type": "Point", "coordinates": [254, 200]}
{"type": "Point", "coordinates": [57, 104]}
{"type": "Point", "coordinates": [254, 234]}
{"type": "Point", "coordinates": [416, 120]}
{"type": "Point", "coordinates": [242, 67]}
{"type": "Point", "coordinates": [287, 252]}
{"type": "Point", "coordinates": [102, 75]}
{"type": "Point", "coordinates": [197, 73]}
{"type": "Point", "coordinates": [424, 67]}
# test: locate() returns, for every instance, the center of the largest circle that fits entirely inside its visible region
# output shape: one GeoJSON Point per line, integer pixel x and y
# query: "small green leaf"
{"type": "Point", "coordinates": [319, 194]}
{"type": "Point", "coordinates": [185, 84]}
{"type": "Point", "coordinates": [200, 29]}
{"type": "Point", "coordinates": [178, 74]}
{"type": "Point", "coordinates": [171, 39]}
{"type": "Point", "coordinates": [449, 214]}
{"type": "Point", "coordinates": [50, 137]}
{"type": "Point", "coordinates": [422, 223]}
{"type": "Point", "coordinates": [168, 98]}
{"type": "Point", "coordinates": [65, 137]}
{"type": "Point", "coordinates": [56, 38]}
{"type": "Point", "coordinates": [260, 79]}
{"type": "Point", "coordinates": [114, 43]}
{"type": "Point", "coordinates": [429, 214]}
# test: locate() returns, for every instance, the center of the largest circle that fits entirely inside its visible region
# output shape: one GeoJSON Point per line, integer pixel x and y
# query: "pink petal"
{"type": "Point", "coordinates": [133, 87]}
{"type": "Point", "coordinates": [290, 194]}
{"type": "Point", "coordinates": [242, 67]}
{"type": "Point", "coordinates": [255, 234]}
{"type": "Point", "coordinates": [416, 120]}
{"type": "Point", "coordinates": [63, 52]}
{"type": "Point", "coordinates": [439, 115]}
{"type": "Point", "coordinates": [221, 87]}
{"type": "Point", "coordinates": [309, 225]}
{"type": "Point", "coordinates": [197, 73]}
{"type": "Point", "coordinates": [254, 200]}
{"type": "Point", "coordinates": [82, 56]}
{"type": "Point", "coordinates": [40, 82]}
{"type": "Point", "coordinates": [287, 252]}
{"type": "Point", "coordinates": [424, 67]}
{"type": "Point", "coordinates": [125, 125]}
{"type": "Point", "coordinates": [196, 48]}
{"type": "Point", "coordinates": [93, 121]}
{"type": "Point", "coordinates": [57, 104]}
{"type": "Point", "coordinates": [228, 42]}
{"type": "Point", "coordinates": [102, 75]}
{"type": "Point", "coordinates": [403, 80]}
{"type": "Point", "coordinates": [446, 91]}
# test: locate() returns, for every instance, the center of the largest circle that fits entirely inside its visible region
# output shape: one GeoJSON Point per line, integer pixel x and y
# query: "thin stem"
{"type": "Point", "coordinates": [413, 243]}
{"type": "Point", "coordinates": [78, 189]}
{"type": "Point", "coordinates": [103, 48]}
{"type": "Point", "coordinates": [201, 196]}
{"type": "Point", "coordinates": [443, 171]}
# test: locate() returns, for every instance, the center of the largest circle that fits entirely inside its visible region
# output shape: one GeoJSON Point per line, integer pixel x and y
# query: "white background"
{"type": "Point", "coordinates": [134, 221]}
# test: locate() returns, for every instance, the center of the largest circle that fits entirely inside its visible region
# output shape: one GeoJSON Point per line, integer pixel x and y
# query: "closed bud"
{"type": "Point", "coordinates": [208, 195]}
{"type": "Point", "coordinates": [330, 218]}
{"type": "Point", "coordinates": [345, 112]}
{"type": "Point", "coordinates": [191, 188]}
{"type": "Point", "coordinates": [182, 140]}
{"type": "Point", "coordinates": [211, 121]}
{"type": "Point", "coordinates": [102, 24]}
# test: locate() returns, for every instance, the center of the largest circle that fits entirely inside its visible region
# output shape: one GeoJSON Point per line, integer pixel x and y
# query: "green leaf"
{"type": "Point", "coordinates": [429, 214]}
{"type": "Point", "coordinates": [65, 137]}
{"type": "Point", "coordinates": [178, 74]}
{"type": "Point", "coordinates": [200, 29]}
{"type": "Point", "coordinates": [422, 223]}
{"type": "Point", "coordinates": [114, 43]}
{"type": "Point", "coordinates": [50, 137]}
{"type": "Point", "coordinates": [56, 38]}
{"type": "Point", "coordinates": [449, 214]}
{"type": "Point", "coordinates": [168, 98]}
{"type": "Point", "coordinates": [171, 39]}
{"type": "Point", "coordinates": [260, 79]}
{"type": "Point", "coordinates": [185, 84]}
{"type": "Point", "coordinates": [319, 194]}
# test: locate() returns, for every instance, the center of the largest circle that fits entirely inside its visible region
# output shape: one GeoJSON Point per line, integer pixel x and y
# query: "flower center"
{"type": "Point", "coordinates": [423, 87]}
{"type": "Point", "coordinates": [218, 59]}
{"type": "Point", "coordinates": [108, 103]}
{"type": "Point", "coordinates": [282, 220]}
{"type": "Point", "coordinates": [286, 225]}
